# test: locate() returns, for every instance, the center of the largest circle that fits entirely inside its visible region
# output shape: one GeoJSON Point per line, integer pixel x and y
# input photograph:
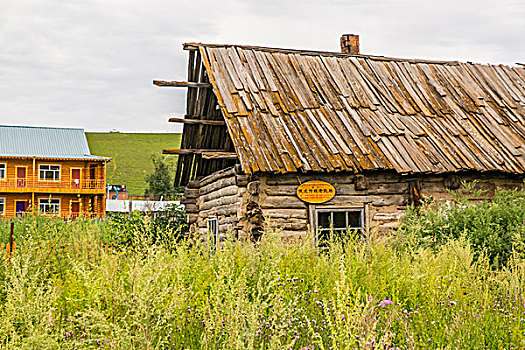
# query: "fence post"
{"type": "Point", "coordinates": [10, 247]}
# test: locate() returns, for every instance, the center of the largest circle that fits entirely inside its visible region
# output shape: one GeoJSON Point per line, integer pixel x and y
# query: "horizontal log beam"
{"type": "Point", "coordinates": [191, 151]}
{"type": "Point", "coordinates": [197, 121]}
{"type": "Point", "coordinates": [217, 155]}
{"type": "Point", "coordinates": [206, 153]}
{"type": "Point", "coordinates": [190, 84]}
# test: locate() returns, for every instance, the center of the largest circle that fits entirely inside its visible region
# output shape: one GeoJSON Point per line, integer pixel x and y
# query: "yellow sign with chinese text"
{"type": "Point", "coordinates": [315, 191]}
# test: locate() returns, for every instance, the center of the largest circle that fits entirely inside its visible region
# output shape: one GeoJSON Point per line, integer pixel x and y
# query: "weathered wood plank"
{"type": "Point", "coordinates": [190, 84]}
{"type": "Point", "coordinates": [197, 121]}
{"type": "Point", "coordinates": [206, 153]}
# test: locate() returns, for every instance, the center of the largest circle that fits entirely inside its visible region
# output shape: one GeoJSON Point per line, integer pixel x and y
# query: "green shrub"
{"type": "Point", "coordinates": [129, 229]}
{"type": "Point", "coordinates": [496, 227]}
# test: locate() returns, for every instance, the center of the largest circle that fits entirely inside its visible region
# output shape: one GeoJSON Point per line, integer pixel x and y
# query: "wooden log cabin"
{"type": "Point", "coordinates": [308, 141]}
{"type": "Point", "coordinates": [51, 171]}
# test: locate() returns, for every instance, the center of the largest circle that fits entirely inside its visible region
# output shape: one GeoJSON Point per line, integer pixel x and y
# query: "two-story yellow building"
{"type": "Point", "coordinates": [51, 171]}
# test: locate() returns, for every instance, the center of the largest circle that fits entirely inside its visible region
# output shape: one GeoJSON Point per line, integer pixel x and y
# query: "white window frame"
{"type": "Point", "coordinates": [213, 232]}
{"type": "Point", "coordinates": [2, 205]}
{"type": "Point", "coordinates": [3, 171]}
{"type": "Point", "coordinates": [361, 228]}
{"type": "Point", "coordinates": [42, 206]}
{"type": "Point", "coordinates": [55, 172]}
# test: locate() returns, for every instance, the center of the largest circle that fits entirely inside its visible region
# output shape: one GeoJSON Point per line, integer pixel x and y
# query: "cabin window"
{"type": "Point", "coordinates": [2, 206]}
{"type": "Point", "coordinates": [339, 222]}
{"type": "Point", "coordinates": [49, 205]}
{"type": "Point", "coordinates": [213, 232]}
{"type": "Point", "coordinates": [49, 172]}
{"type": "Point", "coordinates": [3, 167]}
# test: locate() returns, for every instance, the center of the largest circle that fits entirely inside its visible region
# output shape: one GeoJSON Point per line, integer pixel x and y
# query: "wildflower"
{"type": "Point", "coordinates": [452, 302]}
{"type": "Point", "coordinates": [385, 302]}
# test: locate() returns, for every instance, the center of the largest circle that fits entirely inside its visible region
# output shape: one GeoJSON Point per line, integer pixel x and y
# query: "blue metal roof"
{"type": "Point", "coordinates": [42, 142]}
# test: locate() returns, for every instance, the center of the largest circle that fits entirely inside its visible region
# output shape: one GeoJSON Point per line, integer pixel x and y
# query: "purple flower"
{"type": "Point", "coordinates": [385, 302]}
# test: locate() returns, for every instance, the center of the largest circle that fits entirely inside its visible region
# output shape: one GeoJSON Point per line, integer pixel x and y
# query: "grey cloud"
{"type": "Point", "coordinates": [91, 63]}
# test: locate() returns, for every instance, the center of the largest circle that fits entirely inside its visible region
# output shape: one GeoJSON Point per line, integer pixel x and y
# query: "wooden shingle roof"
{"type": "Point", "coordinates": [299, 111]}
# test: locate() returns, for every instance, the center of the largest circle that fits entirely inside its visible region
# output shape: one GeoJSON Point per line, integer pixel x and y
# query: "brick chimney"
{"type": "Point", "coordinates": [350, 44]}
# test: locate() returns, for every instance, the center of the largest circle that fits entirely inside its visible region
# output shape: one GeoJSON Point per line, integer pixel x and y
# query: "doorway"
{"type": "Point", "coordinates": [75, 209]}
{"type": "Point", "coordinates": [21, 207]}
{"type": "Point", "coordinates": [21, 173]}
{"type": "Point", "coordinates": [75, 178]}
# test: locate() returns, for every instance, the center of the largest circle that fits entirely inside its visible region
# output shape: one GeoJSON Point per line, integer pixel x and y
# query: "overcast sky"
{"type": "Point", "coordinates": [90, 64]}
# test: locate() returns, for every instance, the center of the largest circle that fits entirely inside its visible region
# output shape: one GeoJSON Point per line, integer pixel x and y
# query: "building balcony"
{"type": "Point", "coordinates": [37, 186]}
{"type": "Point", "coordinates": [8, 215]}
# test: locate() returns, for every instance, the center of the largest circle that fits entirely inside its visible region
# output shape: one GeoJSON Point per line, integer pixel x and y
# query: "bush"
{"type": "Point", "coordinates": [129, 229]}
{"type": "Point", "coordinates": [160, 183]}
{"type": "Point", "coordinates": [496, 227]}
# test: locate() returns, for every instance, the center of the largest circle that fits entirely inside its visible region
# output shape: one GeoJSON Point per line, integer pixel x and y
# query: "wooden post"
{"type": "Point", "coordinates": [105, 197]}
{"type": "Point", "coordinates": [34, 179]}
{"type": "Point", "coordinates": [11, 246]}
{"type": "Point", "coordinates": [11, 234]}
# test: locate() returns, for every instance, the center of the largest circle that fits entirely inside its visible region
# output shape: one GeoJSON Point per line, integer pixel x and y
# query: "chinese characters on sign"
{"type": "Point", "coordinates": [315, 191]}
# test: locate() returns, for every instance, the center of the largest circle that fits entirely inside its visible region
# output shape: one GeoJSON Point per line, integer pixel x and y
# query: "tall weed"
{"type": "Point", "coordinates": [60, 290]}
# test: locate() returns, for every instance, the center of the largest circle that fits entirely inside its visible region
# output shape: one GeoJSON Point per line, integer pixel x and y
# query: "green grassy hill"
{"type": "Point", "coordinates": [131, 153]}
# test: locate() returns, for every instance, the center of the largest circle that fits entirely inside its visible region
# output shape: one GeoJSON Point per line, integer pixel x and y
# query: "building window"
{"type": "Point", "coordinates": [2, 206]}
{"type": "Point", "coordinates": [338, 222]}
{"type": "Point", "coordinates": [49, 205]}
{"type": "Point", "coordinates": [49, 172]}
{"type": "Point", "coordinates": [213, 232]}
{"type": "Point", "coordinates": [3, 167]}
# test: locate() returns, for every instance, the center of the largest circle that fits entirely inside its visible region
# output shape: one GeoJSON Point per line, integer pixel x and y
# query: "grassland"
{"type": "Point", "coordinates": [131, 153]}
{"type": "Point", "coordinates": [63, 290]}
{"type": "Point", "coordinates": [127, 282]}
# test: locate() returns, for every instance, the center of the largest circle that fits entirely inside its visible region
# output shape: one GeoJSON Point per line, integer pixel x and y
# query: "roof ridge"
{"type": "Point", "coordinates": [195, 45]}
{"type": "Point", "coordinates": [39, 127]}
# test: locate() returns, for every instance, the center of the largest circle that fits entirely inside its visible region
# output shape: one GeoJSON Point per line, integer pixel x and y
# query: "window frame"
{"type": "Point", "coordinates": [2, 203]}
{"type": "Point", "coordinates": [3, 178]}
{"type": "Point", "coordinates": [47, 180]}
{"type": "Point", "coordinates": [49, 199]}
{"type": "Point", "coordinates": [213, 232]}
{"type": "Point", "coordinates": [362, 210]}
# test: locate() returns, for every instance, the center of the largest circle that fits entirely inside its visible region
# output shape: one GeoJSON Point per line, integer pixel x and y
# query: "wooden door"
{"type": "Point", "coordinates": [21, 176]}
{"type": "Point", "coordinates": [21, 207]}
{"type": "Point", "coordinates": [75, 209]}
{"type": "Point", "coordinates": [92, 176]}
{"type": "Point", "coordinates": [75, 178]}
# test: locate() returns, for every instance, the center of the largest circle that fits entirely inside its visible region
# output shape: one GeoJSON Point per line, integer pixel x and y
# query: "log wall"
{"type": "Point", "coordinates": [246, 205]}
{"type": "Point", "coordinates": [218, 195]}
{"type": "Point", "coordinates": [384, 196]}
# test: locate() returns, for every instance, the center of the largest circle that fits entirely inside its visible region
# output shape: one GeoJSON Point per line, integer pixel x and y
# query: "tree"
{"type": "Point", "coordinates": [159, 182]}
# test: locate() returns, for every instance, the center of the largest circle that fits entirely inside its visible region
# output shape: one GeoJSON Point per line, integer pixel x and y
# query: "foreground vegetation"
{"type": "Point", "coordinates": [64, 289]}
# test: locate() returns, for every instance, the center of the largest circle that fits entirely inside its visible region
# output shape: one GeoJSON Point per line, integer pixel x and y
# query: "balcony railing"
{"type": "Point", "coordinates": [67, 185]}
{"type": "Point", "coordinates": [8, 215]}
